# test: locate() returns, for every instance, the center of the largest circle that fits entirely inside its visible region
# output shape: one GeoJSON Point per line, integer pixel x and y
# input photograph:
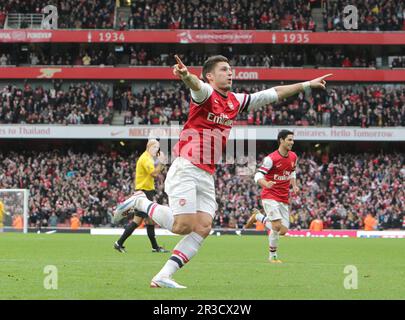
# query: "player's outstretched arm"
{"type": "Point", "coordinates": [264, 97]}
{"type": "Point", "coordinates": [287, 91]}
{"type": "Point", "coordinates": [189, 79]}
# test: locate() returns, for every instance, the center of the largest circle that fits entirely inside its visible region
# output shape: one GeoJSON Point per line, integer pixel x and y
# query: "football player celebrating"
{"type": "Point", "coordinates": [275, 175]}
{"type": "Point", "coordinates": [189, 182]}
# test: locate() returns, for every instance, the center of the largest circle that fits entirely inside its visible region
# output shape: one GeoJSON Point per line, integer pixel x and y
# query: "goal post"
{"type": "Point", "coordinates": [15, 213]}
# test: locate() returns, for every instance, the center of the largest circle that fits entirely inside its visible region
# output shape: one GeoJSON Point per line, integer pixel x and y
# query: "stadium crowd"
{"type": "Point", "coordinates": [341, 190]}
{"type": "Point", "coordinates": [137, 55]}
{"type": "Point", "coordinates": [80, 103]}
{"type": "Point", "coordinates": [91, 103]}
{"type": "Point", "coordinates": [206, 14]}
{"type": "Point", "coordinates": [374, 15]}
{"type": "Point", "coordinates": [344, 189]}
{"type": "Point", "coordinates": [297, 57]}
{"type": "Point", "coordinates": [72, 14]}
{"type": "Point", "coordinates": [362, 106]}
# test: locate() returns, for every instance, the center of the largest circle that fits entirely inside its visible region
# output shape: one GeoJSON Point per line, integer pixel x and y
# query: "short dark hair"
{"type": "Point", "coordinates": [210, 63]}
{"type": "Point", "coordinates": [283, 134]}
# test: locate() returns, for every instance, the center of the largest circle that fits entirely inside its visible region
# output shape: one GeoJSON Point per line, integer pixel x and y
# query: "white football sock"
{"type": "Point", "coordinates": [264, 219]}
{"type": "Point", "coordinates": [182, 253]}
{"type": "Point", "coordinates": [162, 215]}
{"type": "Point", "coordinates": [273, 242]}
{"type": "Point", "coordinates": [261, 217]}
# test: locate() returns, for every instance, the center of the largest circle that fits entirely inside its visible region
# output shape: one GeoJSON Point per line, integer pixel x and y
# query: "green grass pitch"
{"type": "Point", "coordinates": [227, 267]}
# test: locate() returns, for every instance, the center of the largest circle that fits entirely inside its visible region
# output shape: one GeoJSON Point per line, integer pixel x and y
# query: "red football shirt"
{"type": "Point", "coordinates": [278, 169]}
{"type": "Point", "coordinates": [205, 134]}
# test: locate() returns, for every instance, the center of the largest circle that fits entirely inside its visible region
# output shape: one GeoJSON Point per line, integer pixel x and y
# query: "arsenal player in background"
{"type": "Point", "coordinates": [275, 175]}
{"type": "Point", "coordinates": [189, 182]}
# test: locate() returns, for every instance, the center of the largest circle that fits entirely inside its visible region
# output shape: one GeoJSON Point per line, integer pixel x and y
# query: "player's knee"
{"type": "Point", "coordinates": [203, 229]}
{"type": "Point", "coordinates": [276, 227]}
{"type": "Point", "coordinates": [180, 227]}
{"type": "Point", "coordinates": [137, 220]}
{"type": "Point", "coordinates": [283, 231]}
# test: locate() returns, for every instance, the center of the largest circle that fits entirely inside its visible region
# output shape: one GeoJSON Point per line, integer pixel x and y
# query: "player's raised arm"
{"type": "Point", "coordinates": [287, 91]}
{"type": "Point", "coordinates": [264, 97]}
{"type": "Point", "coordinates": [189, 79]}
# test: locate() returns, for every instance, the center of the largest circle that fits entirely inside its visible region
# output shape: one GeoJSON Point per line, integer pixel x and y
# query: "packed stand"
{"type": "Point", "coordinates": [360, 106]}
{"type": "Point", "coordinates": [344, 189]}
{"type": "Point", "coordinates": [205, 14]}
{"type": "Point", "coordinates": [297, 57]}
{"type": "Point", "coordinates": [373, 15]}
{"type": "Point", "coordinates": [80, 103]}
{"type": "Point", "coordinates": [341, 190]}
{"type": "Point", "coordinates": [165, 103]}
{"type": "Point", "coordinates": [72, 14]}
{"type": "Point", "coordinates": [140, 55]}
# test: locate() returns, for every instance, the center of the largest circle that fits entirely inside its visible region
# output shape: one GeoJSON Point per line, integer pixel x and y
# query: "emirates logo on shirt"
{"type": "Point", "coordinates": [286, 176]}
{"type": "Point", "coordinates": [221, 119]}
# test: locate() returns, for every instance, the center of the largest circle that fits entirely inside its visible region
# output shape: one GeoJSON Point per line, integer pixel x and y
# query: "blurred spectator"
{"type": "Point", "coordinates": [53, 220]}
{"type": "Point", "coordinates": [34, 59]}
{"type": "Point", "coordinates": [398, 62]}
{"type": "Point", "coordinates": [75, 222]}
{"type": "Point", "coordinates": [259, 226]}
{"type": "Point", "coordinates": [346, 63]}
{"type": "Point", "coordinates": [316, 224]}
{"type": "Point", "coordinates": [3, 60]}
{"type": "Point", "coordinates": [18, 222]}
{"type": "Point", "coordinates": [370, 223]}
{"type": "Point", "coordinates": [86, 60]}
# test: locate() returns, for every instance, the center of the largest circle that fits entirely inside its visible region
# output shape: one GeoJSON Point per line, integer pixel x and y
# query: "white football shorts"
{"type": "Point", "coordinates": [276, 210]}
{"type": "Point", "coordinates": [190, 189]}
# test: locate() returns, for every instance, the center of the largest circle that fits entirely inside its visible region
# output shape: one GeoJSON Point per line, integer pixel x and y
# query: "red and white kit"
{"type": "Point", "coordinates": [189, 182]}
{"type": "Point", "coordinates": [280, 170]}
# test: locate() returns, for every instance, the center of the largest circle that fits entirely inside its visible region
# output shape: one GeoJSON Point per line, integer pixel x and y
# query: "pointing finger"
{"type": "Point", "coordinates": [179, 62]}
{"type": "Point", "coordinates": [326, 76]}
